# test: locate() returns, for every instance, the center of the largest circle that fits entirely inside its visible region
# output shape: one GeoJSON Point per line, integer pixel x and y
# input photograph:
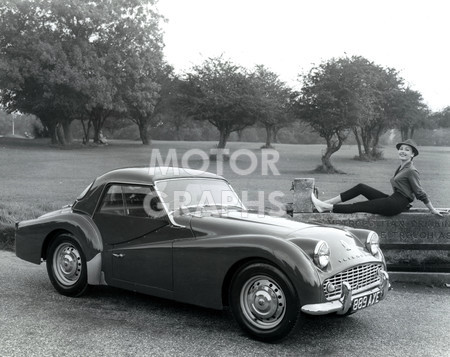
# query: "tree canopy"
{"type": "Point", "coordinates": [355, 95]}
{"type": "Point", "coordinates": [408, 112]}
{"type": "Point", "coordinates": [273, 102]}
{"type": "Point", "coordinates": [443, 117]}
{"type": "Point", "coordinates": [222, 93]}
{"type": "Point", "coordinates": [328, 103]}
{"type": "Point", "coordinates": [79, 60]}
{"type": "Point", "coordinates": [99, 61]}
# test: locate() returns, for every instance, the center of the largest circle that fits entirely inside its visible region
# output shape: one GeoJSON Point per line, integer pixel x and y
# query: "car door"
{"type": "Point", "coordinates": [138, 238]}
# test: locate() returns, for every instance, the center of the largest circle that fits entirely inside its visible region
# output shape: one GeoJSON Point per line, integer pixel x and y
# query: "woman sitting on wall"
{"type": "Point", "coordinates": [405, 183]}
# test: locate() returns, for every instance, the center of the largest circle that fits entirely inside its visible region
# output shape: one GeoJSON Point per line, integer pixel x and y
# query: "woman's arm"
{"type": "Point", "coordinates": [420, 194]}
{"type": "Point", "coordinates": [432, 209]}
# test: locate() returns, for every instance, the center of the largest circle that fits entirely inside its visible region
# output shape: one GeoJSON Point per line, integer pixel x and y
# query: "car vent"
{"type": "Point", "coordinates": [360, 278]}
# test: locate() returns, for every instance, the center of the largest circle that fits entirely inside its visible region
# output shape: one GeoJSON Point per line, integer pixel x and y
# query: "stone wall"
{"type": "Point", "coordinates": [415, 241]}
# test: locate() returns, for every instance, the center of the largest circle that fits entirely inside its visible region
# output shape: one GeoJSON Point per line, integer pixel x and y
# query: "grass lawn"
{"type": "Point", "coordinates": [36, 178]}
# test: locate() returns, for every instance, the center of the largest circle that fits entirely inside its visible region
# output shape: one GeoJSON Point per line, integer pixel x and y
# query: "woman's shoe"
{"type": "Point", "coordinates": [319, 205]}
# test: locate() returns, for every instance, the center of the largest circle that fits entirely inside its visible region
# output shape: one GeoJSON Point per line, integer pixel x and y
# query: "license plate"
{"type": "Point", "coordinates": [365, 301]}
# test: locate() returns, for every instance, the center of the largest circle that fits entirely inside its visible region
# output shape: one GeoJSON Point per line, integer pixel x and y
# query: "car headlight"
{"type": "Point", "coordinates": [373, 243]}
{"type": "Point", "coordinates": [322, 254]}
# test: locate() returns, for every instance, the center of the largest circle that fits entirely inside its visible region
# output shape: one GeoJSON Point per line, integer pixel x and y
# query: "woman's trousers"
{"type": "Point", "coordinates": [378, 202]}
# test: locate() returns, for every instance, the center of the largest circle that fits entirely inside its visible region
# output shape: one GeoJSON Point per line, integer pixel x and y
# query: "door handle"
{"type": "Point", "coordinates": [118, 255]}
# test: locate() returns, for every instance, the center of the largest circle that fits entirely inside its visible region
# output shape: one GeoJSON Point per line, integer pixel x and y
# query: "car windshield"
{"type": "Point", "coordinates": [198, 193]}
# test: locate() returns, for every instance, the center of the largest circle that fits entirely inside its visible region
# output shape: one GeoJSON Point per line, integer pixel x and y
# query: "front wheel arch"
{"type": "Point", "coordinates": [226, 285]}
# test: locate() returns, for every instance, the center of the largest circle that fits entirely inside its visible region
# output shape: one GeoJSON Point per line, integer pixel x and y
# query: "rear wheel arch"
{"type": "Point", "coordinates": [83, 231]}
{"type": "Point", "coordinates": [50, 238]}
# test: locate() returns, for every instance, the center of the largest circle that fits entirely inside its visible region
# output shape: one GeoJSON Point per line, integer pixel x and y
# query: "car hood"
{"type": "Point", "coordinates": [235, 222]}
{"type": "Point", "coordinates": [345, 246]}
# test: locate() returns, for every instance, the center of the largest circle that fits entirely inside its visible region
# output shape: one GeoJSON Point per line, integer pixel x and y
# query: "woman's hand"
{"type": "Point", "coordinates": [436, 212]}
{"type": "Point", "coordinates": [433, 210]}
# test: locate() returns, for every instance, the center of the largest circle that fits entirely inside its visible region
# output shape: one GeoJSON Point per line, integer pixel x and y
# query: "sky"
{"type": "Point", "coordinates": [289, 37]}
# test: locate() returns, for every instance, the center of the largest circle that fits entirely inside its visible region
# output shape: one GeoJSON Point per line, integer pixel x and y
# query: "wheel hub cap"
{"type": "Point", "coordinates": [263, 302]}
{"type": "Point", "coordinates": [67, 264]}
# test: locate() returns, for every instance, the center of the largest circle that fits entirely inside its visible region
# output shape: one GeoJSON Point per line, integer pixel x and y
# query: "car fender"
{"type": "Point", "coordinates": [204, 267]}
{"type": "Point", "coordinates": [34, 236]}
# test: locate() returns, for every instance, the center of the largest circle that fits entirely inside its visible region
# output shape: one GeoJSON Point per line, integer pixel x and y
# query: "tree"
{"type": "Point", "coordinates": [33, 66]}
{"type": "Point", "coordinates": [273, 102]}
{"type": "Point", "coordinates": [221, 93]}
{"type": "Point", "coordinates": [408, 112]}
{"type": "Point", "coordinates": [328, 103]}
{"type": "Point", "coordinates": [78, 60]}
{"type": "Point", "coordinates": [144, 96]}
{"type": "Point", "coordinates": [443, 117]}
{"type": "Point", "coordinates": [173, 106]}
{"type": "Point", "coordinates": [144, 74]}
{"type": "Point", "coordinates": [375, 87]}
{"type": "Point", "coordinates": [349, 94]}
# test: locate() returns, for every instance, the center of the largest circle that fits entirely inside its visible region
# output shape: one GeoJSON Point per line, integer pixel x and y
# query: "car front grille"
{"type": "Point", "coordinates": [360, 278]}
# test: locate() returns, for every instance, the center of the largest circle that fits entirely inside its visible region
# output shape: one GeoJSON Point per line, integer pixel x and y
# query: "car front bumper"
{"type": "Point", "coordinates": [344, 303]}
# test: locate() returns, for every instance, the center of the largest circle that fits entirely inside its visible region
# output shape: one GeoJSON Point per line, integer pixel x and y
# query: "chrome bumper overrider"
{"type": "Point", "coordinates": [343, 304]}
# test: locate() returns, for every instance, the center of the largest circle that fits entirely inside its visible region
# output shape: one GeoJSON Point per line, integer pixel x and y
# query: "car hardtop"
{"type": "Point", "coordinates": [150, 175]}
{"type": "Point", "coordinates": [87, 203]}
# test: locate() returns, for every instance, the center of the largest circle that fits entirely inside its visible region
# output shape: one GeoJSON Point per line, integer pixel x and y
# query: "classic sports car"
{"type": "Point", "coordinates": [185, 235]}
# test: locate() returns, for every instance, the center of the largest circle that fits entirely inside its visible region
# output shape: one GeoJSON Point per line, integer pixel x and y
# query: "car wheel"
{"type": "Point", "coordinates": [66, 266]}
{"type": "Point", "coordinates": [264, 302]}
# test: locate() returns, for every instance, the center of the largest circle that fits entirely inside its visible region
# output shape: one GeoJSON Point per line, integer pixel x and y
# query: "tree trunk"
{"type": "Point", "coordinates": [178, 132]}
{"type": "Point", "coordinates": [97, 125]}
{"type": "Point", "coordinates": [366, 143]}
{"type": "Point", "coordinates": [326, 162]}
{"type": "Point", "coordinates": [143, 133]}
{"type": "Point", "coordinates": [224, 135]}
{"type": "Point", "coordinates": [375, 154]}
{"type": "Point", "coordinates": [404, 133]}
{"type": "Point", "coordinates": [239, 134]}
{"type": "Point", "coordinates": [268, 136]}
{"type": "Point", "coordinates": [98, 119]}
{"type": "Point", "coordinates": [275, 132]}
{"type": "Point", "coordinates": [86, 130]}
{"type": "Point", "coordinates": [60, 134]}
{"type": "Point", "coordinates": [358, 141]}
{"type": "Point", "coordinates": [327, 166]}
{"type": "Point", "coordinates": [67, 129]}
{"type": "Point", "coordinates": [52, 131]}
{"type": "Point", "coordinates": [332, 147]}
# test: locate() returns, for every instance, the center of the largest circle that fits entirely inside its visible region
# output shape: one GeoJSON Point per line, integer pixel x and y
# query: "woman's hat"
{"type": "Point", "coordinates": [411, 143]}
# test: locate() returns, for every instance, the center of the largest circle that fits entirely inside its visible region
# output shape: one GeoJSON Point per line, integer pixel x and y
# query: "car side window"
{"type": "Point", "coordinates": [113, 201]}
{"type": "Point", "coordinates": [135, 200]}
{"type": "Point", "coordinates": [132, 201]}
